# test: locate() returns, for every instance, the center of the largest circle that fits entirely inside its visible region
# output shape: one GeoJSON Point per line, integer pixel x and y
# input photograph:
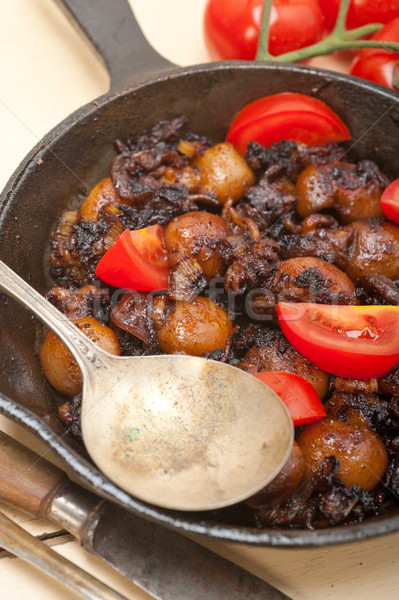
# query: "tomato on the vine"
{"type": "Point", "coordinates": [136, 261]}
{"type": "Point", "coordinates": [286, 116]}
{"type": "Point", "coordinates": [358, 342]}
{"type": "Point", "coordinates": [377, 64]}
{"type": "Point", "coordinates": [231, 27]}
{"type": "Point", "coordinates": [361, 12]}
{"type": "Point", "coordinates": [298, 395]}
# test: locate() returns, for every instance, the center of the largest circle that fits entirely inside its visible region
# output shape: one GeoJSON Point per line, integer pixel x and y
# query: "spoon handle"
{"type": "Point", "coordinates": [83, 350]}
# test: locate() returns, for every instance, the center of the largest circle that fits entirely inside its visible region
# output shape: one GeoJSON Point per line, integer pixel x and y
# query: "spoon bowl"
{"type": "Point", "coordinates": [178, 431]}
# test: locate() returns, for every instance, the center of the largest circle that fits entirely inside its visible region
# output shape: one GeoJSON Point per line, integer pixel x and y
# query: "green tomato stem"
{"type": "Point", "coordinates": [328, 46]}
{"type": "Point", "coordinates": [263, 45]}
{"type": "Point", "coordinates": [339, 28]}
{"type": "Point", "coordinates": [339, 39]}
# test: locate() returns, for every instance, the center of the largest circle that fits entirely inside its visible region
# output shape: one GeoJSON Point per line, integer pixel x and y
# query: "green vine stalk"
{"type": "Point", "coordinates": [339, 39]}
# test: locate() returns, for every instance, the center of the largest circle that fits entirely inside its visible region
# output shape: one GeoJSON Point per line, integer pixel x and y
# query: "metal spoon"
{"type": "Point", "coordinates": [177, 431]}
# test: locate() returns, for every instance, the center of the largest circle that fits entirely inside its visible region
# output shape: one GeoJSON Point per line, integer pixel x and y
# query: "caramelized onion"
{"type": "Point", "coordinates": [187, 280]}
{"type": "Point", "coordinates": [102, 194]}
{"type": "Point", "coordinates": [245, 222]}
{"type": "Point", "coordinates": [131, 314]}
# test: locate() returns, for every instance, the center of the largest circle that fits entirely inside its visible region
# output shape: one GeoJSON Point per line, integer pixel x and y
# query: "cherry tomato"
{"type": "Point", "coordinates": [298, 395]}
{"type": "Point", "coordinates": [390, 201]}
{"type": "Point", "coordinates": [136, 261]}
{"type": "Point", "coordinates": [358, 342]}
{"type": "Point", "coordinates": [375, 64]}
{"type": "Point", "coordinates": [361, 12]}
{"type": "Point", "coordinates": [231, 27]}
{"type": "Point", "coordinates": [288, 116]}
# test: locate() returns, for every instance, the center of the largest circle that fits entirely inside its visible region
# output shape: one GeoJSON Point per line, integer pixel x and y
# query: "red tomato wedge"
{"type": "Point", "coordinates": [390, 201]}
{"type": "Point", "coordinates": [298, 395]}
{"type": "Point", "coordinates": [350, 341]}
{"type": "Point", "coordinates": [136, 261]}
{"type": "Point", "coordinates": [286, 116]}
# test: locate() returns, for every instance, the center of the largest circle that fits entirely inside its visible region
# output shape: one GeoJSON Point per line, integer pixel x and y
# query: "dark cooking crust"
{"type": "Point", "coordinates": [266, 237]}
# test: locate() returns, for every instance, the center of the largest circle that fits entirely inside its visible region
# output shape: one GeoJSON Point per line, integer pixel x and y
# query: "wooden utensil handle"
{"type": "Point", "coordinates": [21, 543]}
{"type": "Point", "coordinates": [27, 481]}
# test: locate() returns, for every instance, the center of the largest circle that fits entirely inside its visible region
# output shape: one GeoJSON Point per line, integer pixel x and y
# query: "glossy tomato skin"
{"type": "Point", "coordinates": [361, 12]}
{"type": "Point", "coordinates": [286, 116]}
{"type": "Point", "coordinates": [298, 395]}
{"type": "Point", "coordinates": [390, 201]}
{"type": "Point", "coordinates": [136, 261]}
{"type": "Point", "coordinates": [358, 342]}
{"type": "Point", "coordinates": [377, 68]}
{"type": "Point", "coordinates": [375, 64]}
{"type": "Point", "coordinates": [231, 27]}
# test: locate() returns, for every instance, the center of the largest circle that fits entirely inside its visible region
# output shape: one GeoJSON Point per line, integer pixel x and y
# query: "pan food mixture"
{"type": "Point", "coordinates": [259, 260]}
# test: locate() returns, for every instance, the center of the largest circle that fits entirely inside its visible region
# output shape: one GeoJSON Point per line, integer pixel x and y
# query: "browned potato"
{"type": "Point", "coordinates": [286, 482]}
{"type": "Point", "coordinates": [354, 194]}
{"type": "Point", "coordinates": [224, 172]}
{"type": "Point", "coordinates": [312, 279]}
{"type": "Point", "coordinates": [197, 235]}
{"type": "Point", "coordinates": [374, 249]}
{"type": "Point", "coordinates": [361, 453]}
{"type": "Point", "coordinates": [102, 194]}
{"type": "Point", "coordinates": [59, 366]}
{"type": "Point", "coordinates": [191, 327]}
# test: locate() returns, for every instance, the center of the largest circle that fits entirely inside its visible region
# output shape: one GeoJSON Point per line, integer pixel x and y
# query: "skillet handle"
{"type": "Point", "coordinates": [113, 30]}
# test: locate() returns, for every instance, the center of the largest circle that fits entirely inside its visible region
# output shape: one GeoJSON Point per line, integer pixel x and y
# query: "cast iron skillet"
{"type": "Point", "coordinates": [77, 153]}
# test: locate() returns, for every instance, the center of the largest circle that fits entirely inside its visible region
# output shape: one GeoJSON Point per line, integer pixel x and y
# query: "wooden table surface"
{"type": "Point", "coordinates": [47, 71]}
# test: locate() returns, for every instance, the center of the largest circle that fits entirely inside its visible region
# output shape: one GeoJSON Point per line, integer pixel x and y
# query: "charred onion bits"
{"type": "Point", "coordinates": [235, 236]}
